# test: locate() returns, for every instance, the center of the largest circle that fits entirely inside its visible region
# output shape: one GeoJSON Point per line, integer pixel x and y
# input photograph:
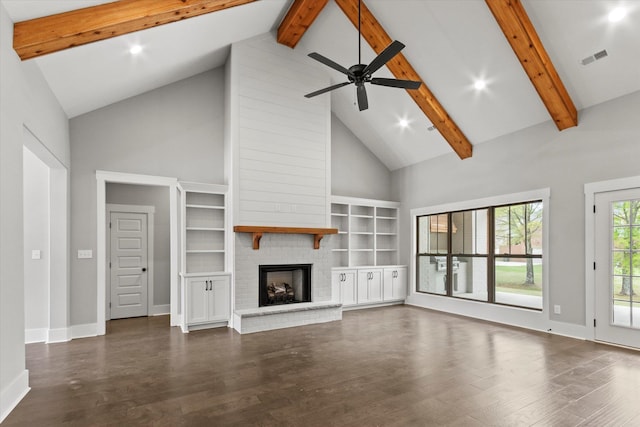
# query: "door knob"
{"type": "Point", "coordinates": [144, 269]}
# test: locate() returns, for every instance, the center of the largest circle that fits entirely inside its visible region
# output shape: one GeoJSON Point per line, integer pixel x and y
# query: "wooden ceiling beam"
{"type": "Point", "coordinates": [524, 40]}
{"type": "Point", "coordinates": [400, 67]}
{"type": "Point", "coordinates": [48, 34]}
{"type": "Point", "coordinates": [299, 18]}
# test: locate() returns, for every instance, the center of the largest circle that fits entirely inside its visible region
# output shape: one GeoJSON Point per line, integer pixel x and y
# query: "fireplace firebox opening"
{"type": "Point", "coordinates": [284, 284]}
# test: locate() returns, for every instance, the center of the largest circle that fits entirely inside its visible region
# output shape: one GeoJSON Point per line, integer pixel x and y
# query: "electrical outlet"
{"type": "Point", "coordinates": [557, 309]}
{"type": "Point", "coordinates": [85, 253]}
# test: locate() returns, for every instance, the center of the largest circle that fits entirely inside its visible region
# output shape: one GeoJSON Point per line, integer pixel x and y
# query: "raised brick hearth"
{"type": "Point", "coordinates": [282, 249]}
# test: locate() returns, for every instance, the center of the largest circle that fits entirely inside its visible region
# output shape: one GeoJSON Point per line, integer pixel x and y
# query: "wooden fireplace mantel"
{"type": "Point", "coordinates": [257, 231]}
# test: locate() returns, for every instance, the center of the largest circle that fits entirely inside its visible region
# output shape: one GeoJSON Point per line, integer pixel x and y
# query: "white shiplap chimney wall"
{"type": "Point", "coordinates": [279, 140]}
{"type": "Point", "coordinates": [278, 148]}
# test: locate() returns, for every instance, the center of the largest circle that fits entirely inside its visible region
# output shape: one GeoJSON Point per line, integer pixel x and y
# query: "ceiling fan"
{"type": "Point", "coordinates": [360, 74]}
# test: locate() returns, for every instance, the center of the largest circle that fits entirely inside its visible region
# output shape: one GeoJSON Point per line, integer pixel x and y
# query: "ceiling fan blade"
{"type": "Point", "coordinates": [329, 63]}
{"type": "Point", "coordinates": [403, 84]}
{"type": "Point", "coordinates": [326, 89]}
{"type": "Point", "coordinates": [363, 102]}
{"type": "Point", "coordinates": [389, 52]}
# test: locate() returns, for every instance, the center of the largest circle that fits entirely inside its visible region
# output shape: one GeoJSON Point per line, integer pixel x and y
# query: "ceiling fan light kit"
{"type": "Point", "coordinates": [359, 74]}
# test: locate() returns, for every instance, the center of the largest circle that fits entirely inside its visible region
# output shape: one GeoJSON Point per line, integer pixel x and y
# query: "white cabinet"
{"type": "Point", "coordinates": [395, 283]}
{"type": "Point", "coordinates": [207, 299]}
{"type": "Point", "coordinates": [205, 292]}
{"type": "Point", "coordinates": [370, 285]}
{"type": "Point", "coordinates": [365, 286]}
{"type": "Point", "coordinates": [344, 286]}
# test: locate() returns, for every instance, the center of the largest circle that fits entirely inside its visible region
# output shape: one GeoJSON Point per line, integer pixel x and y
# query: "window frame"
{"type": "Point", "coordinates": [541, 195]}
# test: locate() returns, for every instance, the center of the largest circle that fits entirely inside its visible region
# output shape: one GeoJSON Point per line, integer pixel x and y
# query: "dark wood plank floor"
{"type": "Point", "coordinates": [394, 366]}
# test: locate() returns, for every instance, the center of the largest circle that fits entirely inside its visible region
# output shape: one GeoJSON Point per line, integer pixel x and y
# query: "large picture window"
{"type": "Point", "coordinates": [492, 254]}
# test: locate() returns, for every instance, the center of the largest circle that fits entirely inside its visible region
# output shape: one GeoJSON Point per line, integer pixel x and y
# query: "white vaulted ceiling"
{"type": "Point", "coordinates": [450, 43]}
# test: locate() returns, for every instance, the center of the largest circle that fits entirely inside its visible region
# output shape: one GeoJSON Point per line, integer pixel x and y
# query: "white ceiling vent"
{"type": "Point", "coordinates": [592, 58]}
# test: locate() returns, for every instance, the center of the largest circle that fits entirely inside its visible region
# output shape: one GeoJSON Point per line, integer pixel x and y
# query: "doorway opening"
{"type": "Point", "coordinates": [46, 241]}
{"type": "Point", "coordinates": [104, 178]}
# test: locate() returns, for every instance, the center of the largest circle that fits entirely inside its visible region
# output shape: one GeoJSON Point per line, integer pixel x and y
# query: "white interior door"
{"type": "Point", "coordinates": [617, 275]}
{"type": "Point", "coordinates": [129, 278]}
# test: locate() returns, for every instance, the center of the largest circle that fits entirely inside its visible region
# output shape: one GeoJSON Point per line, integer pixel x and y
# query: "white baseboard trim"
{"type": "Point", "coordinates": [35, 335]}
{"type": "Point", "coordinates": [58, 335]}
{"type": "Point", "coordinates": [160, 310]}
{"type": "Point", "coordinates": [568, 330]}
{"type": "Point", "coordinates": [176, 320]}
{"type": "Point", "coordinates": [46, 335]}
{"type": "Point", "coordinates": [11, 395]}
{"type": "Point", "coordinates": [84, 331]}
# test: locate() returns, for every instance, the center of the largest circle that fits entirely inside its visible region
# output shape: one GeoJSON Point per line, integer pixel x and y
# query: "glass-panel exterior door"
{"type": "Point", "coordinates": [617, 243]}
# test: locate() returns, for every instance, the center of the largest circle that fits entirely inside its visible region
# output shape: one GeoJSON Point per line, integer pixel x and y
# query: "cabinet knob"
{"type": "Point", "coordinates": [144, 269]}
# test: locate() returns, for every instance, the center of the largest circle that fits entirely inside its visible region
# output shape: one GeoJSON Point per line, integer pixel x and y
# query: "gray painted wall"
{"type": "Point", "coordinates": [605, 145]}
{"type": "Point", "coordinates": [36, 237]}
{"type": "Point", "coordinates": [26, 101]}
{"type": "Point", "coordinates": [146, 195]}
{"type": "Point", "coordinates": [356, 171]}
{"type": "Point", "coordinates": [175, 131]}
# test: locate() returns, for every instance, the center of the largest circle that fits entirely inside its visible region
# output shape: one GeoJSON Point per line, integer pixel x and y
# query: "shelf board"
{"type": "Point", "coordinates": [204, 229]}
{"type": "Point", "coordinates": [343, 232]}
{"type": "Point", "coordinates": [339, 214]}
{"type": "Point", "coordinates": [362, 216]}
{"type": "Point", "coordinates": [387, 234]}
{"type": "Point", "coordinates": [386, 250]}
{"type": "Point", "coordinates": [205, 251]}
{"type": "Point", "coordinates": [205, 207]}
{"type": "Point", "coordinates": [361, 250]}
{"type": "Point", "coordinates": [387, 217]}
{"type": "Point", "coordinates": [340, 250]}
{"type": "Point", "coordinates": [362, 233]}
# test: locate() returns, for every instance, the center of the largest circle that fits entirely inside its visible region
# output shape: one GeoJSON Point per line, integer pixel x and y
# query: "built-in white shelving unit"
{"type": "Point", "coordinates": [203, 224]}
{"type": "Point", "coordinates": [365, 253]}
{"type": "Point", "coordinates": [204, 227]}
{"type": "Point", "coordinates": [367, 232]}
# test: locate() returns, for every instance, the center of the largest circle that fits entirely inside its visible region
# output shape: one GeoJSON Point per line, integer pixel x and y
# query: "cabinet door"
{"type": "Point", "coordinates": [375, 286]}
{"type": "Point", "coordinates": [348, 288]}
{"type": "Point", "coordinates": [369, 286]}
{"type": "Point", "coordinates": [363, 286]}
{"type": "Point", "coordinates": [197, 299]}
{"type": "Point", "coordinates": [400, 284]}
{"type": "Point", "coordinates": [219, 300]}
{"type": "Point", "coordinates": [388, 283]}
{"type": "Point", "coordinates": [336, 285]}
{"type": "Point", "coordinates": [395, 283]}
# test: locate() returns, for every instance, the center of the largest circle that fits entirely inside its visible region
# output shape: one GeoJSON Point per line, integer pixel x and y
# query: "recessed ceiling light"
{"type": "Point", "coordinates": [135, 49]}
{"type": "Point", "coordinates": [617, 14]}
{"type": "Point", "coordinates": [480, 85]}
{"type": "Point", "coordinates": [403, 123]}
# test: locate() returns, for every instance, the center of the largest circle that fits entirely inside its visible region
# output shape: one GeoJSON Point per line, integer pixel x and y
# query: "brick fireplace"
{"type": "Point", "coordinates": [280, 249]}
